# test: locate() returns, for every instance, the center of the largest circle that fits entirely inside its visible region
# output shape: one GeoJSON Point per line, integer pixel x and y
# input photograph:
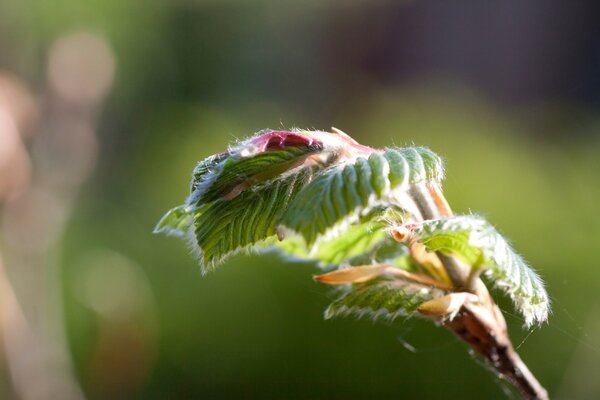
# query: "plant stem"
{"type": "Point", "coordinates": [495, 346]}
{"type": "Point", "coordinates": [433, 205]}
{"type": "Point", "coordinates": [481, 326]}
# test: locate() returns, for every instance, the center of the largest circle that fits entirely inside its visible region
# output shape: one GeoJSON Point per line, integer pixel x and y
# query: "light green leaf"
{"type": "Point", "coordinates": [478, 242]}
{"type": "Point", "coordinates": [457, 243]}
{"type": "Point", "coordinates": [382, 299]}
{"type": "Point", "coordinates": [229, 226]}
{"type": "Point", "coordinates": [358, 239]}
{"type": "Point", "coordinates": [388, 251]}
{"type": "Point", "coordinates": [341, 195]}
{"type": "Point", "coordinates": [176, 221]}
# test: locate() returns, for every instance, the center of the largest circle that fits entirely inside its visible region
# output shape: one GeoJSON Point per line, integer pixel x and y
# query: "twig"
{"type": "Point", "coordinates": [493, 343]}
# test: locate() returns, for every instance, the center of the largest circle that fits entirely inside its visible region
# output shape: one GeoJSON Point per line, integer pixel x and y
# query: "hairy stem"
{"type": "Point", "coordinates": [433, 205]}
{"type": "Point", "coordinates": [482, 327]}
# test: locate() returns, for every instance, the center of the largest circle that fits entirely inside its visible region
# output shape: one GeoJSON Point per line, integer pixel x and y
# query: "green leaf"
{"type": "Point", "coordinates": [176, 221]}
{"type": "Point", "coordinates": [477, 242]}
{"type": "Point", "coordinates": [340, 195]}
{"type": "Point", "coordinates": [424, 164]}
{"type": "Point", "coordinates": [388, 251]}
{"type": "Point", "coordinates": [240, 171]}
{"type": "Point", "coordinates": [205, 168]}
{"type": "Point", "coordinates": [456, 243]}
{"type": "Point", "coordinates": [358, 239]}
{"type": "Point", "coordinates": [382, 299]}
{"type": "Point", "coordinates": [229, 226]}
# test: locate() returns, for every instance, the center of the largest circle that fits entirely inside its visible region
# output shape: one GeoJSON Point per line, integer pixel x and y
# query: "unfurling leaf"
{"type": "Point", "coordinates": [239, 197]}
{"type": "Point", "coordinates": [248, 166]}
{"type": "Point", "coordinates": [383, 298]}
{"type": "Point", "coordinates": [477, 242]}
{"type": "Point", "coordinates": [342, 194]}
{"type": "Point", "coordinates": [176, 221]}
{"type": "Point", "coordinates": [228, 190]}
{"type": "Point", "coordinates": [228, 226]}
{"type": "Point", "coordinates": [378, 220]}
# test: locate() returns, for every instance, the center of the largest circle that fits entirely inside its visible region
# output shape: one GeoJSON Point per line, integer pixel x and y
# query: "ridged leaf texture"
{"type": "Point", "coordinates": [382, 298]}
{"type": "Point", "coordinates": [340, 195]}
{"type": "Point", "coordinates": [228, 226]}
{"type": "Point", "coordinates": [205, 168]}
{"type": "Point", "coordinates": [238, 172]}
{"type": "Point", "coordinates": [477, 242]}
{"type": "Point", "coordinates": [240, 194]}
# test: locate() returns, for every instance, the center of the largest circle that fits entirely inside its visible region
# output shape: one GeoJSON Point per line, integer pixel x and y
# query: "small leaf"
{"type": "Point", "coordinates": [478, 242]}
{"type": "Point", "coordinates": [456, 243]}
{"type": "Point", "coordinates": [176, 221]}
{"type": "Point", "coordinates": [358, 239]}
{"type": "Point", "coordinates": [424, 164]}
{"type": "Point", "coordinates": [352, 275]}
{"type": "Point", "coordinates": [205, 168]}
{"type": "Point", "coordinates": [228, 226]}
{"type": "Point", "coordinates": [340, 195]}
{"type": "Point", "coordinates": [240, 171]}
{"type": "Point", "coordinates": [382, 298]}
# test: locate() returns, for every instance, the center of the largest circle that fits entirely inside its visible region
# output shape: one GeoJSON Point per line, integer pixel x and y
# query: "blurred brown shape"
{"type": "Point", "coordinates": [39, 191]}
{"type": "Point", "coordinates": [81, 68]}
{"type": "Point", "coordinates": [17, 116]}
{"type": "Point", "coordinates": [19, 102]}
{"type": "Point", "coordinates": [15, 167]}
{"type": "Point", "coordinates": [66, 154]}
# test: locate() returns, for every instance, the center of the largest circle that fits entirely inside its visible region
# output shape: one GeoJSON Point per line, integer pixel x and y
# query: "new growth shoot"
{"type": "Point", "coordinates": [376, 220]}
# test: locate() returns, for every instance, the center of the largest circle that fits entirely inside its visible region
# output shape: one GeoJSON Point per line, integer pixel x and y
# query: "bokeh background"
{"type": "Point", "coordinates": [106, 106]}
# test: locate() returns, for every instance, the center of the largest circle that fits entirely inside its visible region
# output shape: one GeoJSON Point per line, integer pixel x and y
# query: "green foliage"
{"type": "Point", "coordinates": [358, 239]}
{"type": "Point", "coordinates": [176, 221]}
{"type": "Point", "coordinates": [380, 298]}
{"type": "Point", "coordinates": [228, 226]}
{"type": "Point", "coordinates": [479, 243]}
{"type": "Point", "coordinates": [334, 201]}
{"type": "Point", "coordinates": [241, 171]}
{"type": "Point", "coordinates": [204, 169]}
{"type": "Point", "coordinates": [340, 195]}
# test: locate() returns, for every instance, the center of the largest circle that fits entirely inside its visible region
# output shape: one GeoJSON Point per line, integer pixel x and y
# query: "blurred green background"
{"type": "Point", "coordinates": [114, 101]}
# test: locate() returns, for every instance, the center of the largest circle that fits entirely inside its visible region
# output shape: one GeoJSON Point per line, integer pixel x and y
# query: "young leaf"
{"type": "Point", "coordinates": [359, 239]}
{"type": "Point", "coordinates": [205, 168]}
{"type": "Point", "coordinates": [228, 226]}
{"type": "Point", "coordinates": [258, 170]}
{"type": "Point", "coordinates": [241, 171]}
{"type": "Point", "coordinates": [265, 156]}
{"type": "Point", "coordinates": [176, 221]}
{"type": "Point", "coordinates": [382, 298]}
{"type": "Point", "coordinates": [340, 195]}
{"type": "Point", "coordinates": [476, 241]}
